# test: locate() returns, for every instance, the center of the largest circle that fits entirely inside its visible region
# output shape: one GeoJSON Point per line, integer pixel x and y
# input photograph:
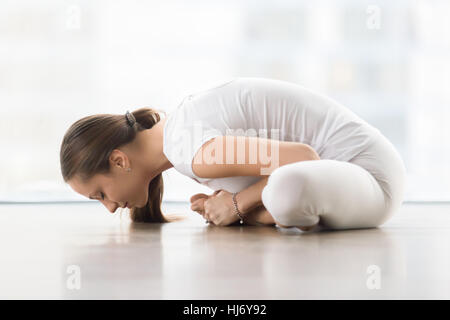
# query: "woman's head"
{"type": "Point", "coordinates": [100, 159]}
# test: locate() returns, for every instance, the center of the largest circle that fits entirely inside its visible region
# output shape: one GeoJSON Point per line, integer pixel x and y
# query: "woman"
{"type": "Point", "coordinates": [316, 164]}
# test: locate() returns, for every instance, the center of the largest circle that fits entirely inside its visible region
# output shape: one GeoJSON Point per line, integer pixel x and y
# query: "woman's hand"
{"type": "Point", "coordinates": [198, 202]}
{"type": "Point", "coordinates": [255, 217]}
{"type": "Point", "coordinates": [218, 208]}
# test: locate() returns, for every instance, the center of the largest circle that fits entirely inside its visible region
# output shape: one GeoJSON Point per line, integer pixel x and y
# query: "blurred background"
{"type": "Point", "coordinates": [387, 61]}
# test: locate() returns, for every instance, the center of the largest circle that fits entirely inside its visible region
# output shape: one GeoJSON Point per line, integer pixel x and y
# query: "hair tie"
{"type": "Point", "coordinates": [130, 118]}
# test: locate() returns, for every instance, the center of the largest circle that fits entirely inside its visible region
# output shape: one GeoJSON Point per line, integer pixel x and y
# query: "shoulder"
{"type": "Point", "coordinates": [183, 134]}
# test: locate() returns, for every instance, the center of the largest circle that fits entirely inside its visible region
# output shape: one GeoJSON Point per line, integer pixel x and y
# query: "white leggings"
{"type": "Point", "coordinates": [363, 192]}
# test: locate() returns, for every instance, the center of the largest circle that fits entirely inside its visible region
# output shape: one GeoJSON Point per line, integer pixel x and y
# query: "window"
{"type": "Point", "coordinates": [389, 62]}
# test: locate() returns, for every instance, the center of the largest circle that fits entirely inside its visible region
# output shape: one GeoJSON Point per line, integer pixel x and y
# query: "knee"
{"type": "Point", "coordinates": [283, 194]}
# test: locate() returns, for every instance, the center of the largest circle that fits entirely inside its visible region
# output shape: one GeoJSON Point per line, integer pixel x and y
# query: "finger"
{"type": "Point", "coordinates": [198, 196]}
{"type": "Point", "coordinates": [211, 222]}
{"type": "Point", "coordinates": [198, 205]}
{"type": "Point", "coordinates": [201, 203]}
{"type": "Point", "coordinates": [200, 212]}
{"type": "Point", "coordinates": [197, 209]}
{"type": "Point", "coordinates": [195, 206]}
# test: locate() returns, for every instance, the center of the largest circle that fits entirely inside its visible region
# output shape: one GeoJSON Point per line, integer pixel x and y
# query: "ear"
{"type": "Point", "coordinates": [118, 159]}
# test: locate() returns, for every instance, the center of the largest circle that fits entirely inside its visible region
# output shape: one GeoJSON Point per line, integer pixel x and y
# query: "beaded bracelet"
{"type": "Point", "coordinates": [236, 208]}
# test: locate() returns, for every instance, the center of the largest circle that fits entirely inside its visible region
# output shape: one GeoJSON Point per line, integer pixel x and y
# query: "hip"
{"type": "Point", "coordinates": [382, 160]}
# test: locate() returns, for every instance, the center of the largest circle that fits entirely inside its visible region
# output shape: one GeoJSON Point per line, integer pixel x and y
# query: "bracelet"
{"type": "Point", "coordinates": [236, 208]}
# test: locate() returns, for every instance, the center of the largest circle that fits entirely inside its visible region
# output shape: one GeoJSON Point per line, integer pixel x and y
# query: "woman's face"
{"type": "Point", "coordinates": [119, 187]}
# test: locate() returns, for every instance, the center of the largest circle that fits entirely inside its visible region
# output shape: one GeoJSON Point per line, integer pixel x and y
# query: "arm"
{"type": "Point", "coordinates": [250, 198]}
{"type": "Point", "coordinates": [220, 149]}
{"type": "Point", "coordinates": [259, 216]}
{"type": "Point", "coordinates": [218, 165]}
{"type": "Point", "coordinates": [227, 156]}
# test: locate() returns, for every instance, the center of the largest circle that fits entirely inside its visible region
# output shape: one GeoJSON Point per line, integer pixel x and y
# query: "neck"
{"type": "Point", "coordinates": [151, 141]}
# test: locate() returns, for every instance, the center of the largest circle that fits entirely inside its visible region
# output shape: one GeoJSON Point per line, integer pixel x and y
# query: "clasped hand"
{"type": "Point", "coordinates": [218, 208]}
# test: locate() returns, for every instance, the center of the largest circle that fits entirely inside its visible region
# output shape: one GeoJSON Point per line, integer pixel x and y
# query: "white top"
{"type": "Point", "coordinates": [300, 114]}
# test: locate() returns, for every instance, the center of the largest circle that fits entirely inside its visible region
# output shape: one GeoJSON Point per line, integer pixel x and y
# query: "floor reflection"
{"type": "Point", "coordinates": [189, 259]}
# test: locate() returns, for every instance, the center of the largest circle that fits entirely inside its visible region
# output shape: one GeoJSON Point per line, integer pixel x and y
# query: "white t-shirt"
{"type": "Point", "coordinates": [244, 103]}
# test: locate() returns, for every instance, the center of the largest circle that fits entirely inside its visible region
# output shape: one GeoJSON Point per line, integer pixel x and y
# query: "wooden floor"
{"type": "Point", "coordinates": [46, 250]}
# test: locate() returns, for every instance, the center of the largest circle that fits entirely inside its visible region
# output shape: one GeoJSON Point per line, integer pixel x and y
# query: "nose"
{"type": "Point", "coordinates": [112, 207]}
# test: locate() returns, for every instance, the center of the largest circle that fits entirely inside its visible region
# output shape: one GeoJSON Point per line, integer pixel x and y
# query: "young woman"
{"type": "Point", "coordinates": [316, 165]}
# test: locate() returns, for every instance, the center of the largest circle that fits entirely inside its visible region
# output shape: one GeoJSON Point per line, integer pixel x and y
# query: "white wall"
{"type": "Point", "coordinates": [62, 60]}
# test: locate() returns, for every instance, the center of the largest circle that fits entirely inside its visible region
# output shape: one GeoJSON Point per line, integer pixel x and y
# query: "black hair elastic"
{"type": "Point", "coordinates": [130, 118]}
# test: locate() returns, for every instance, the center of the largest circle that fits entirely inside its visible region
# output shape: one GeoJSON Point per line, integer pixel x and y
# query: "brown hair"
{"type": "Point", "coordinates": [88, 143]}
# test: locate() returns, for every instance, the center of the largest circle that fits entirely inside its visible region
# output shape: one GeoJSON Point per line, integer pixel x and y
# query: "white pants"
{"type": "Point", "coordinates": [363, 192]}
